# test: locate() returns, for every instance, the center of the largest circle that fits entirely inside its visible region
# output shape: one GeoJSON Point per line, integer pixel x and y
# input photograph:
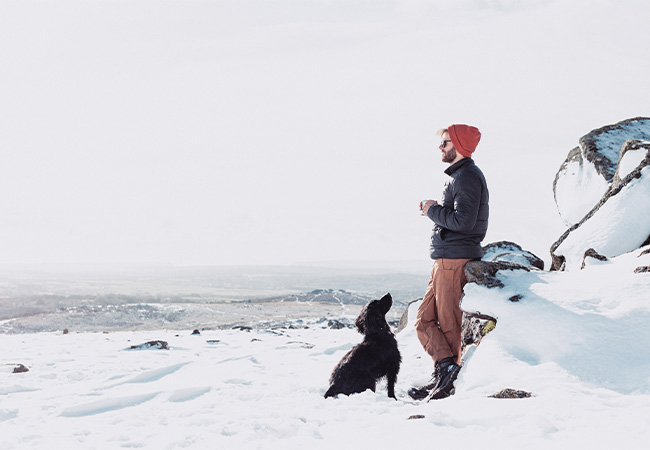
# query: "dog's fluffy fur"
{"type": "Point", "coordinates": [374, 358]}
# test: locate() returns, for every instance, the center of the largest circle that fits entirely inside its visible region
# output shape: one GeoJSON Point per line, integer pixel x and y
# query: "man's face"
{"type": "Point", "coordinates": [447, 148]}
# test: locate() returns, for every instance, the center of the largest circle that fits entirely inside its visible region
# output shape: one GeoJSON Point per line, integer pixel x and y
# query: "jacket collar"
{"type": "Point", "coordinates": [457, 165]}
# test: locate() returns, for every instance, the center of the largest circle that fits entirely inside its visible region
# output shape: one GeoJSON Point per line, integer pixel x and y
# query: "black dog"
{"type": "Point", "coordinates": [374, 358]}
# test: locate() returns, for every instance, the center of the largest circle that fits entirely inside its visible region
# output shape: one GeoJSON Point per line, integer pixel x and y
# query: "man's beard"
{"type": "Point", "coordinates": [449, 156]}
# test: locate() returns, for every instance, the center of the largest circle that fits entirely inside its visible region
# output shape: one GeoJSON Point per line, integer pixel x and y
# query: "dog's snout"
{"type": "Point", "coordinates": [386, 301]}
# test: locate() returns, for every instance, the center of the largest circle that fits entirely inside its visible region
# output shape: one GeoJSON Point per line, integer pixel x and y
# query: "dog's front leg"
{"type": "Point", "coordinates": [391, 391]}
{"type": "Point", "coordinates": [391, 378]}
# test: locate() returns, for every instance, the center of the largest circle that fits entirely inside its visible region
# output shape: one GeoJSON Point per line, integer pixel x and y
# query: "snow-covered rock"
{"type": "Point", "coordinates": [13, 368]}
{"type": "Point", "coordinates": [156, 345]}
{"type": "Point", "coordinates": [592, 256]}
{"type": "Point", "coordinates": [585, 176]}
{"type": "Point", "coordinates": [618, 223]}
{"type": "Point", "coordinates": [484, 273]}
{"type": "Point", "coordinates": [511, 393]}
{"type": "Point", "coordinates": [510, 252]}
{"type": "Point", "coordinates": [502, 255]}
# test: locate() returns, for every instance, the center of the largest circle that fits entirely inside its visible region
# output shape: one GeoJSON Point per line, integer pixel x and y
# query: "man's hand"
{"type": "Point", "coordinates": [425, 205]}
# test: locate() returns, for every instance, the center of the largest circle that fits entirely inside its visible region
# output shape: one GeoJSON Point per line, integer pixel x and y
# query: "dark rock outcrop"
{"type": "Point", "coordinates": [510, 252]}
{"type": "Point", "coordinates": [159, 345]}
{"type": "Point", "coordinates": [502, 255]}
{"type": "Point", "coordinates": [601, 147]}
{"type": "Point", "coordinates": [484, 272]}
{"type": "Point", "coordinates": [19, 368]}
{"type": "Point", "coordinates": [475, 326]}
{"type": "Point", "coordinates": [591, 253]}
{"type": "Point", "coordinates": [511, 393]}
{"type": "Point", "coordinates": [336, 324]}
{"type": "Point", "coordinates": [642, 269]}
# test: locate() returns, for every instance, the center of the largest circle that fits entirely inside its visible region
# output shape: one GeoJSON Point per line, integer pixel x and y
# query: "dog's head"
{"type": "Point", "coordinates": [372, 318]}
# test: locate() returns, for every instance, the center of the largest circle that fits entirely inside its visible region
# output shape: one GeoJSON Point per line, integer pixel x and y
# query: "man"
{"type": "Point", "coordinates": [460, 223]}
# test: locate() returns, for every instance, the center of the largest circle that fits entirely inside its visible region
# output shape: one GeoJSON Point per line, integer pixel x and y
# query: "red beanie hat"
{"type": "Point", "coordinates": [465, 138]}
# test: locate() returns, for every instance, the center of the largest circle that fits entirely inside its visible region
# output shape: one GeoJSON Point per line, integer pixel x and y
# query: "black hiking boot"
{"type": "Point", "coordinates": [422, 392]}
{"type": "Point", "coordinates": [448, 374]}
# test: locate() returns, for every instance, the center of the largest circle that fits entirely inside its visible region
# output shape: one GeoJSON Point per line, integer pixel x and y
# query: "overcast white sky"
{"type": "Point", "coordinates": [277, 132]}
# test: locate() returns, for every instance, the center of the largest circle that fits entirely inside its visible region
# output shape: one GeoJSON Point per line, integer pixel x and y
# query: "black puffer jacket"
{"type": "Point", "coordinates": [461, 220]}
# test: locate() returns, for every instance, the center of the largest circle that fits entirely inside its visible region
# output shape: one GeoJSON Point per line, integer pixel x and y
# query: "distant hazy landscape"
{"type": "Point", "coordinates": [105, 298]}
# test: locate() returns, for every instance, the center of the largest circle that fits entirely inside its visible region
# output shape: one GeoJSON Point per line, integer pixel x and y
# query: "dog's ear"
{"type": "Point", "coordinates": [360, 323]}
{"type": "Point", "coordinates": [376, 321]}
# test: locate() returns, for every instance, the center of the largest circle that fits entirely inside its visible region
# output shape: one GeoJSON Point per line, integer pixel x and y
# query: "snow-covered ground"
{"type": "Point", "coordinates": [578, 341]}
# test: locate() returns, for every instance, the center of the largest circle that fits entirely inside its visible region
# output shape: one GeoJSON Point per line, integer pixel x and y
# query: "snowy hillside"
{"type": "Point", "coordinates": [577, 341]}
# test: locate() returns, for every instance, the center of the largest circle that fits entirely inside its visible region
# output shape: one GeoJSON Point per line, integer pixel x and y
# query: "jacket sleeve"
{"type": "Point", "coordinates": [467, 200]}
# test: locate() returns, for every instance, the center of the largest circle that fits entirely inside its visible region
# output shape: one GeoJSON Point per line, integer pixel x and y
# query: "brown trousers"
{"type": "Point", "coordinates": [439, 319]}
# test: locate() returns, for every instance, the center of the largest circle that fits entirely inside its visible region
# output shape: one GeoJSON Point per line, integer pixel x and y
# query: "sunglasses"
{"type": "Point", "coordinates": [443, 143]}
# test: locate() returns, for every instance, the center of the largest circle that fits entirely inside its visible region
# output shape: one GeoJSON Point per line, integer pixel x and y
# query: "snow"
{"type": "Point", "coordinates": [631, 160]}
{"type": "Point", "coordinates": [619, 226]}
{"type": "Point", "coordinates": [579, 188]}
{"type": "Point", "coordinates": [576, 340]}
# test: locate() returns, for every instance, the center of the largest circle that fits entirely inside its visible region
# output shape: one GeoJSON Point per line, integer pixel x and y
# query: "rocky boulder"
{"type": "Point", "coordinates": [589, 169]}
{"type": "Point", "coordinates": [502, 255]}
{"type": "Point", "coordinates": [151, 345]}
{"type": "Point", "coordinates": [16, 368]}
{"type": "Point", "coordinates": [507, 251]}
{"type": "Point", "coordinates": [474, 325]}
{"type": "Point", "coordinates": [618, 223]}
{"type": "Point", "coordinates": [484, 273]}
{"type": "Point", "coordinates": [511, 393]}
{"type": "Point", "coordinates": [591, 255]}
